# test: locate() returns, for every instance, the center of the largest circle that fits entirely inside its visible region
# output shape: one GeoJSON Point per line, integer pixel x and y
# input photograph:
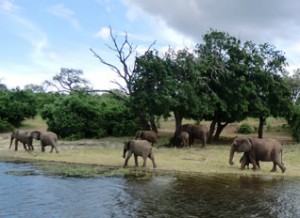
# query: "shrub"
{"type": "Point", "coordinates": [16, 106]}
{"type": "Point", "coordinates": [82, 115]}
{"type": "Point", "coordinates": [5, 126]}
{"type": "Point", "coordinates": [245, 128]}
{"type": "Point", "coordinates": [294, 122]}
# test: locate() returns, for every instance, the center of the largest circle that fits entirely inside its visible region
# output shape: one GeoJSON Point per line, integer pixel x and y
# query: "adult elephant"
{"type": "Point", "coordinates": [149, 135]}
{"type": "Point", "coordinates": [21, 136]}
{"type": "Point", "coordinates": [259, 150]}
{"type": "Point", "coordinates": [196, 132]}
{"type": "Point", "coordinates": [141, 148]}
{"type": "Point", "coordinates": [47, 138]}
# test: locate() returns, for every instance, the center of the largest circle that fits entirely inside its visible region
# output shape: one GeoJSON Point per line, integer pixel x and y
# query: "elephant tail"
{"type": "Point", "coordinates": [281, 157]}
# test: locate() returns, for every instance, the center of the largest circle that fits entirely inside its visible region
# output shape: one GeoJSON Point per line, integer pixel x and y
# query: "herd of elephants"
{"type": "Point", "coordinates": [254, 149]}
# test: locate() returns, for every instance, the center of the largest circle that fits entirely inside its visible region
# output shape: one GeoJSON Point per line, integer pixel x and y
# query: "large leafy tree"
{"type": "Point", "coordinates": [270, 95]}
{"type": "Point", "coordinates": [170, 83]}
{"type": "Point", "coordinates": [222, 61]}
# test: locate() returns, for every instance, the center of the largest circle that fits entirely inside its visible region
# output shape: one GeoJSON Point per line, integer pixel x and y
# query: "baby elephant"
{"type": "Point", "coordinates": [141, 148]}
{"type": "Point", "coordinates": [184, 138]}
{"type": "Point", "coordinates": [245, 161]}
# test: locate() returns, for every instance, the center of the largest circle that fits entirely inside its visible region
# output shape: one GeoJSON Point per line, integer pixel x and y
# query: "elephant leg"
{"type": "Point", "coordinates": [52, 147]}
{"type": "Point", "coordinates": [127, 158]}
{"type": "Point", "coordinates": [274, 169]}
{"type": "Point", "coordinates": [136, 160]}
{"type": "Point", "coordinates": [16, 145]}
{"type": "Point", "coordinates": [253, 161]}
{"type": "Point", "coordinates": [25, 147]}
{"type": "Point", "coordinates": [281, 166]}
{"type": "Point", "coordinates": [144, 160]}
{"type": "Point", "coordinates": [151, 156]}
{"type": "Point", "coordinates": [43, 147]}
{"type": "Point", "coordinates": [203, 141]}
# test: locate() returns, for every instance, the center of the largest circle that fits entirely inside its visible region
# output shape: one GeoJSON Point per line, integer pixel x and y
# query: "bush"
{"type": "Point", "coordinates": [245, 128]}
{"type": "Point", "coordinates": [294, 122]}
{"type": "Point", "coordinates": [5, 126]}
{"type": "Point", "coordinates": [16, 106]}
{"type": "Point", "coordinates": [89, 116]}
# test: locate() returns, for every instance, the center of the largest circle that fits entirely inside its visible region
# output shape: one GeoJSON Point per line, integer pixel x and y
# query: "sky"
{"type": "Point", "coordinates": [39, 37]}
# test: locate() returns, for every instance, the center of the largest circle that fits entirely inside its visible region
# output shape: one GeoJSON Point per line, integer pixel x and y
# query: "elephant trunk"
{"type": "Point", "coordinates": [11, 141]}
{"type": "Point", "coordinates": [124, 153]}
{"type": "Point", "coordinates": [232, 150]}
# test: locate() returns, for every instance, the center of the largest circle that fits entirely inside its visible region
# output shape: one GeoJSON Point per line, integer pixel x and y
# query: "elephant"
{"type": "Point", "coordinates": [149, 135]}
{"type": "Point", "coordinates": [141, 148]}
{"type": "Point", "coordinates": [196, 132]}
{"type": "Point", "coordinates": [47, 138]}
{"type": "Point", "coordinates": [184, 138]}
{"type": "Point", "coordinates": [259, 150]}
{"type": "Point", "coordinates": [245, 161]}
{"type": "Point", "coordinates": [24, 137]}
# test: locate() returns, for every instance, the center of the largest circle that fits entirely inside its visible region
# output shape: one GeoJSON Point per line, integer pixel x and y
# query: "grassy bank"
{"type": "Point", "coordinates": [103, 156]}
{"type": "Point", "coordinates": [107, 152]}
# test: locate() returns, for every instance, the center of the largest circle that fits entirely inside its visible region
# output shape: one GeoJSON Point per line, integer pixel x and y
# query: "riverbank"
{"type": "Point", "coordinates": [103, 157]}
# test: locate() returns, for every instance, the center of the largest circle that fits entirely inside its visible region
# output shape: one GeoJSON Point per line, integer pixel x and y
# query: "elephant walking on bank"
{"type": "Point", "coordinates": [259, 150]}
{"type": "Point", "coordinates": [47, 138]}
{"type": "Point", "coordinates": [196, 132]}
{"type": "Point", "coordinates": [141, 148]}
{"type": "Point", "coordinates": [21, 136]}
{"type": "Point", "coordinates": [149, 135]}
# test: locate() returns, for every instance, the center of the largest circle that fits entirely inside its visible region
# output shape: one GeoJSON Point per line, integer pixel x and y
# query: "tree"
{"type": "Point", "coordinates": [16, 105]}
{"type": "Point", "coordinates": [171, 83]}
{"type": "Point", "coordinates": [222, 61]}
{"type": "Point", "coordinates": [68, 81]}
{"type": "Point", "coordinates": [270, 95]}
{"type": "Point", "coordinates": [293, 82]}
{"type": "Point", "coordinates": [124, 51]}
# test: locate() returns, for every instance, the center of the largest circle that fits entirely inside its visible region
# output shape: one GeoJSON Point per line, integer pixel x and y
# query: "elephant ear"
{"type": "Point", "coordinates": [36, 135]}
{"type": "Point", "coordinates": [244, 145]}
{"type": "Point", "coordinates": [127, 144]}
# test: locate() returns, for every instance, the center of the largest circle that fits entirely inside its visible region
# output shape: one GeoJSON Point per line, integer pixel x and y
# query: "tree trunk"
{"type": "Point", "coordinates": [262, 120]}
{"type": "Point", "coordinates": [143, 121]}
{"type": "Point", "coordinates": [211, 130]}
{"type": "Point", "coordinates": [178, 122]}
{"type": "Point", "coordinates": [220, 128]}
{"type": "Point", "coordinates": [152, 123]}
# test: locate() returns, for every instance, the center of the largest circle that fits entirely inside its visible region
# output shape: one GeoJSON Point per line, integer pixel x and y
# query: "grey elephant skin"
{"type": "Point", "coordinates": [184, 138]}
{"type": "Point", "coordinates": [47, 138]}
{"type": "Point", "coordinates": [196, 132]}
{"type": "Point", "coordinates": [259, 150]}
{"type": "Point", "coordinates": [137, 148]}
{"type": "Point", "coordinates": [21, 136]}
{"type": "Point", "coordinates": [149, 135]}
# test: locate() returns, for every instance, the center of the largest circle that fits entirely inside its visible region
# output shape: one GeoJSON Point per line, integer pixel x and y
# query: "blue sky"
{"type": "Point", "coordinates": [38, 37]}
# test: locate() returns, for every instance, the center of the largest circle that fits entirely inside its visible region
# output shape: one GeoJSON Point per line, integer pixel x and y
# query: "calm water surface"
{"type": "Point", "coordinates": [45, 196]}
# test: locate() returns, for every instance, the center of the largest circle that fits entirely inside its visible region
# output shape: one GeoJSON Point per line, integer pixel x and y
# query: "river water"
{"type": "Point", "coordinates": [37, 195]}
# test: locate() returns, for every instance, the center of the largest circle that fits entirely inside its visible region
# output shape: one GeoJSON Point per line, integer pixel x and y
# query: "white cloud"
{"type": "Point", "coordinates": [103, 33]}
{"type": "Point", "coordinates": [8, 5]}
{"type": "Point", "coordinates": [62, 11]}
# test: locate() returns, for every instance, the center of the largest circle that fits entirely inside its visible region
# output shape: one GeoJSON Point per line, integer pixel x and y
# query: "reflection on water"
{"type": "Point", "coordinates": [37, 195]}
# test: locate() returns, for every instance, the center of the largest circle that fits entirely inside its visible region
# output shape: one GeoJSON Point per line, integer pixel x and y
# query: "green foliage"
{"type": "Point", "coordinates": [82, 115]}
{"type": "Point", "coordinates": [245, 128]}
{"type": "Point", "coordinates": [294, 122]}
{"type": "Point", "coordinates": [16, 105]}
{"type": "Point", "coordinates": [5, 126]}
